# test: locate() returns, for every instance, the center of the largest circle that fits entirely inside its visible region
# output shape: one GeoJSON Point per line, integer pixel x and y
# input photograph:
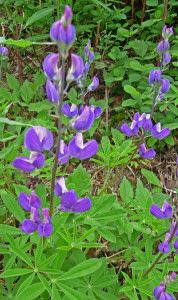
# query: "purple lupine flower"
{"type": "Point", "coordinates": [50, 67]}
{"type": "Point", "coordinates": [60, 187]}
{"type": "Point", "coordinates": [67, 37]}
{"type": "Point", "coordinates": [63, 153]}
{"type": "Point", "coordinates": [161, 97]}
{"type": "Point", "coordinates": [70, 203]}
{"type": "Point", "coordinates": [36, 160]}
{"type": "Point", "coordinates": [173, 275]}
{"type": "Point", "coordinates": [54, 31]}
{"type": "Point", "coordinates": [38, 139]}
{"type": "Point", "coordinates": [94, 84]}
{"type": "Point", "coordinates": [29, 226]}
{"type": "Point", "coordinates": [158, 133]}
{"type": "Point", "coordinates": [27, 201]}
{"type": "Point", "coordinates": [165, 85]}
{"type": "Point", "coordinates": [164, 212]}
{"type": "Point", "coordinates": [132, 130]}
{"type": "Point", "coordinates": [167, 58]}
{"type": "Point", "coordinates": [45, 228]}
{"type": "Point", "coordinates": [3, 50]}
{"type": "Point", "coordinates": [69, 112]}
{"type": "Point", "coordinates": [164, 247]}
{"type": "Point", "coordinates": [97, 112]}
{"type": "Point", "coordinates": [172, 228]}
{"type": "Point", "coordinates": [160, 294]}
{"type": "Point", "coordinates": [163, 46]}
{"type": "Point", "coordinates": [91, 55]}
{"type": "Point", "coordinates": [67, 16]}
{"type": "Point", "coordinates": [167, 32]}
{"type": "Point", "coordinates": [86, 68]}
{"type": "Point", "coordinates": [147, 154]}
{"type": "Point", "coordinates": [85, 120]}
{"type": "Point", "coordinates": [76, 70]}
{"type": "Point", "coordinates": [80, 150]}
{"type": "Point", "coordinates": [81, 110]}
{"type": "Point", "coordinates": [87, 48]}
{"type": "Point", "coordinates": [148, 123]}
{"type": "Point", "coordinates": [139, 119]}
{"type": "Point", "coordinates": [51, 91]}
{"type": "Point", "coordinates": [154, 76]}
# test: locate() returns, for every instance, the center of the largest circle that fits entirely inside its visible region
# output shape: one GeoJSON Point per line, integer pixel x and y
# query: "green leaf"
{"type": "Point", "coordinates": [128, 278]}
{"type": "Point", "coordinates": [151, 177]}
{"type": "Point", "coordinates": [81, 179]}
{"type": "Point", "coordinates": [55, 294]}
{"type": "Point", "coordinates": [85, 235]}
{"type": "Point", "coordinates": [97, 2]}
{"type": "Point", "coordinates": [13, 83]}
{"type": "Point", "coordinates": [126, 190]}
{"type": "Point", "coordinates": [84, 268]}
{"type": "Point", "coordinates": [25, 284]}
{"type": "Point", "coordinates": [32, 292]}
{"type": "Point", "coordinates": [42, 13]}
{"type": "Point", "coordinates": [45, 283]}
{"type": "Point", "coordinates": [152, 2]}
{"type": "Point", "coordinates": [130, 90]}
{"type": "Point", "coordinates": [14, 207]}
{"type": "Point", "coordinates": [22, 255]}
{"type": "Point", "coordinates": [4, 229]}
{"type": "Point", "coordinates": [27, 92]}
{"type": "Point", "coordinates": [15, 272]}
{"type": "Point", "coordinates": [71, 293]}
{"type": "Point", "coordinates": [140, 47]}
{"type": "Point", "coordinates": [118, 137]}
{"type": "Point", "coordinates": [11, 122]}
{"type": "Point", "coordinates": [136, 65]}
{"type": "Point", "coordinates": [38, 252]}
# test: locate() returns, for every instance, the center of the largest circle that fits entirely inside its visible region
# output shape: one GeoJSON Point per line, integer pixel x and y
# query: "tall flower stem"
{"type": "Point", "coordinates": [61, 95]}
{"type": "Point", "coordinates": [161, 254]}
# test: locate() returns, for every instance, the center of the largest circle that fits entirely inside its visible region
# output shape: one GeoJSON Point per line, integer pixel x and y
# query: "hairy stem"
{"type": "Point", "coordinates": [61, 95]}
{"type": "Point", "coordinates": [161, 254]}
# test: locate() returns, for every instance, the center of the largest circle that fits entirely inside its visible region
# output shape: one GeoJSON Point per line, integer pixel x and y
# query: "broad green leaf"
{"type": "Point", "coordinates": [32, 292]}
{"type": "Point", "coordinates": [14, 207]}
{"type": "Point", "coordinates": [15, 272]}
{"type": "Point", "coordinates": [25, 284]}
{"type": "Point", "coordinates": [151, 177]}
{"type": "Point", "coordinates": [84, 268]}
{"type": "Point", "coordinates": [130, 90]}
{"type": "Point", "coordinates": [27, 92]}
{"type": "Point", "coordinates": [42, 13]}
{"type": "Point", "coordinates": [9, 229]}
{"type": "Point", "coordinates": [13, 83]}
{"type": "Point", "coordinates": [118, 137]}
{"type": "Point", "coordinates": [136, 65]}
{"type": "Point", "coordinates": [81, 179]}
{"type": "Point", "coordinates": [126, 190]}
{"type": "Point", "coordinates": [22, 255]}
{"type": "Point", "coordinates": [152, 2]}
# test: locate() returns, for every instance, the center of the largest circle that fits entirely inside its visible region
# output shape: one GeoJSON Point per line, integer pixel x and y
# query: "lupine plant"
{"type": "Point", "coordinates": [43, 223]}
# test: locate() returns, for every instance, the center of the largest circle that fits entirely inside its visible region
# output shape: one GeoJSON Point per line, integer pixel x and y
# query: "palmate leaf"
{"type": "Point", "coordinates": [15, 272]}
{"type": "Point", "coordinates": [45, 283]}
{"type": "Point", "coordinates": [14, 207]}
{"type": "Point", "coordinates": [32, 292]}
{"type": "Point", "coordinates": [71, 293]}
{"type": "Point", "coordinates": [4, 229]}
{"type": "Point", "coordinates": [25, 257]}
{"type": "Point", "coordinates": [25, 284]}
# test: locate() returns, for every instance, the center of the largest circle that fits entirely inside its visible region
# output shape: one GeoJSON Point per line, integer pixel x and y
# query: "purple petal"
{"type": "Point", "coordinates": [172, 228]}
{"type": "Point", "coordinates": [37, 217]}
{"type": "Point", "coordinates": [32, 141]}
{"type": "Point", "coordinates": [90, 149]}
{"type": "Point", "coordinates": [28, 226]}
{"type": "Point", "coordinates": [156, 130]}
{"type": "Point", "coordinates": [149, 153]}
{"type": "Point", "coordinates": [63, 156]}
{"type": "Point", "coordinates": [76, 70]}
{"type": "Point", "coordinates": [136, 116]}
{"type": "Point", "coordinates": [50, 65]}
{"type": "Point", "coordinates": [69, 199]}
{"type": "Point", "coordinates": [167, 58]}
{"type": "Point", "coordinates": [126, 130]}
{"type": "Point", "coordinates": [54, 31]}
{"type": "Point", "coordinates": [40, 229]}
{"type": "Point", "coordinates": [66, 110]}
{"type": "Point", "coordinates": [82, 205]}
{"type": "Point", "coordinates": [134, 127]}
{"type": "Point", "coordinates": [148, 124]}
{"type": "Point", "coordinates": [91, 55]}
{"type": "Point", "coordinates": [70, 34]}
{"type": "Point", "coordinates": [24, 201]}
{"type": "Point", "coordinates": [156, 211]}
{"type": "Point", "coordinates": [176, 245]}
{"type": "Point", "coordinates": [73, 110]}
{"type": "Point", "coordinates": [75, 145]}
{"type": "Point", "coordinates": [47, 229]}
{"type": "Point", "coordinates": [164, 132]}
{"type": "Point", "coordinates": [165, 85]}
{"type": "Point", "coordinates": [142, 150]}
{"type": "Point", "coordinates": [164, 247]}
{"type": "Point", "coordinates": [158, 290]}
{"type": "Point", "coordinates": [60, 187]}
{"type": "Point", "coordinates": [94, 84]}
{"type": "Point", "coordinates": [34, 200]}
{"type": "Point", "coordinates": [97, 112]}
{"type": "Point", "coordinates": [23, 163]}
{"type": "Point", "coordinates": [85, 120]}
{"type": "Point", "coordinates": [37, 159]}
{"type": "Point", "coordinates": [51, 92]}
{"type": "Point", "coordinates": [68, 14]}
{"type": "Point", "coordinates": [167, 209]}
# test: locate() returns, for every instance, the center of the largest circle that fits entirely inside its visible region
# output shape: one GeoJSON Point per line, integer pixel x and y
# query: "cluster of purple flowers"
{"type": "Point", "coordinates": [3, 50]}
{"type": "Point", "coordinates": [160, 291]}
{"type": "Point", "coordinates": [161, 213]}
{"type": "Point", "coordinates": [39, 139]}
{"type": "Point", "coordinates": [160, 87]}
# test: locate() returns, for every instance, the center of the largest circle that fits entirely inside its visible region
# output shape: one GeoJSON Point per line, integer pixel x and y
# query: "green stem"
{"type": "Point", "coordinates": [57, 9]}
